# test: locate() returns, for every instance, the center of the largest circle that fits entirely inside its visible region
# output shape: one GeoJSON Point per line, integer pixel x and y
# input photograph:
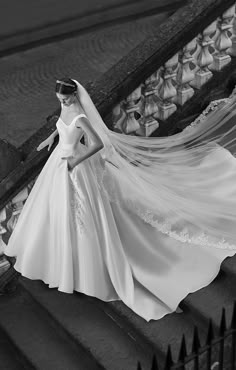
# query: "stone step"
{"type": "Point", "coordinates": [125, 335]}
{"type": "Point", "coordinates": [124, 324]}
{"type": "Point", "coordinates": [8, 280]}
{"type": "Point", "coordinates": [208, 302]}
{"type": "Point", "coordinates": [110, 344]}
{"type": "Point", "coordinates": [197, 308]}
{"type": "Point", "coordinates": [229, 266]}
{"type": "Point", "coordinates": [33, 334]}
{"type": "Point", "coordinates": [4, 265]}
{"type": "Point", "coordinates": [10, 356]}
{"type": "Point", "coordinates": [160, 333]}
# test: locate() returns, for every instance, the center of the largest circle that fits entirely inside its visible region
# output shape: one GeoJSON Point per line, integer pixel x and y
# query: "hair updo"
{"type": "Point", "coordinates": [65, 86]}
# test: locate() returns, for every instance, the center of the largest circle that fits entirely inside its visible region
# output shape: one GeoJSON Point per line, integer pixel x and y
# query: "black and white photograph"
{"type": "Point", "coordinates": [118, 185]}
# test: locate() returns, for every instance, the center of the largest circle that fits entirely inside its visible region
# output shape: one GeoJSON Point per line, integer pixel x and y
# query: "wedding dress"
{"type": "Point", "coordinates": [87, 230]}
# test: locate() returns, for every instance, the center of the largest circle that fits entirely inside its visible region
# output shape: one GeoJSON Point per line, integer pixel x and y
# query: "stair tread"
{"type": "Point", "coordinates": [91, 326]}
{"type": "Point", "coordinates": [229, 265]}
{"type": "Point", "coordinates": [35, 338]}
{"type": "Point", "coordinates": [8, 356]}
{"type": "Point", "coordinates": [209, 301]}
{"type": "Point", "coordinates": [162, 332]}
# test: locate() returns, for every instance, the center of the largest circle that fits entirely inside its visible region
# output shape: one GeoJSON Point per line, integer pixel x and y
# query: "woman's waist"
{"type": "Point", "coordinates": [70, 149]}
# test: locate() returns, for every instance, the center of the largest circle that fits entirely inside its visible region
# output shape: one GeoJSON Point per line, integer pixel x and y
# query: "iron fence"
{"type": "Point", "coordinates": [218, 352]}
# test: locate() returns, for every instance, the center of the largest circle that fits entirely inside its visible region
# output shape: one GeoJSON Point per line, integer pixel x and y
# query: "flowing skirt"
{"type": "Point", "coordinates": [71, 236]}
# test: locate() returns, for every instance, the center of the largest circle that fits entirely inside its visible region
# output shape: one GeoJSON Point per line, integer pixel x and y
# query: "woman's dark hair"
{"type": "Point", "coordinates": [65, 86]}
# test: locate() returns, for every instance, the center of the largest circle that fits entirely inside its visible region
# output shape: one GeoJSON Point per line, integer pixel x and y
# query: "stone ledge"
{"type": "Point", "coordinates": [26, 171]}
{"type": "Point", "coordinates": [10, 158]}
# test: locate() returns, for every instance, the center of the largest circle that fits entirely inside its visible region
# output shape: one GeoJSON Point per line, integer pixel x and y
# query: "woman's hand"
{"type": "Point", "coordinates": [48, 142]}
{"type": "Point", "coordinates": [70, 162]}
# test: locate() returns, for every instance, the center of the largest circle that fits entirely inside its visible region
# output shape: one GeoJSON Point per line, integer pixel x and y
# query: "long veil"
{"type": "Point", "coordinates": [184, 184]}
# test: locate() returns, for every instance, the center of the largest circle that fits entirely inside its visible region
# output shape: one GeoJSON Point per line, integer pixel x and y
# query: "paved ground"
{"type": "Point", "coordinates": [27, 14]}
{"type": "Point", "coordinates": [29, 22]}
{"type": "Point", "coordinates": [27, 78]}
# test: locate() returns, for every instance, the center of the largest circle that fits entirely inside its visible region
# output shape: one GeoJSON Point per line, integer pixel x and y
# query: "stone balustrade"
{"type": "Point", "coordinates": [159, 95]}
{"type": "Point", "coordinates": [10, 214]}
{"type": "Point", "coordinates": [174, 83]}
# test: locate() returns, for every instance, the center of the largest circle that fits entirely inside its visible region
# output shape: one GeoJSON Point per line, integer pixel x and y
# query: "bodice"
{"type": "Point", "coordinates": [70, 136]}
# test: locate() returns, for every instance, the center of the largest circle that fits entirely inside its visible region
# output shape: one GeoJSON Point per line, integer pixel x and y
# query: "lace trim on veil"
{"type": "Point", "coordinates": [108, 186]}
{"type": "Point", "coordinates": [183, 236]}
{"type": "Point", "coordinates": [106, 180]}
{"type": "Point", "coordinates": [211, 107]}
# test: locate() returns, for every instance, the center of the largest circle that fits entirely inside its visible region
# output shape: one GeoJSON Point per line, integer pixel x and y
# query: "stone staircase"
{"type": "Point", "coordinates": [42, 328]}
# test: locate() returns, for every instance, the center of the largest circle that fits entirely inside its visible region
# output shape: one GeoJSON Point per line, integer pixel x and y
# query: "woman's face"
{"type": "Point", "coordinates": [66, 100]}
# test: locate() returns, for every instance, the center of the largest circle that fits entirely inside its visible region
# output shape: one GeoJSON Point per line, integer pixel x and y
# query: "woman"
{"type": "Point", "coordinates": [142, 220]}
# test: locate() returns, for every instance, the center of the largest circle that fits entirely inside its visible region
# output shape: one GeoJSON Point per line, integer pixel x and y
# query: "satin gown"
{"type": "Point", "coordinates": [71, 236]}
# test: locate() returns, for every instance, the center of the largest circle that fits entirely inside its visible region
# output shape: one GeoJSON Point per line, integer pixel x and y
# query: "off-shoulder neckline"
{"type": "Point", "coordinates": [80, 114]}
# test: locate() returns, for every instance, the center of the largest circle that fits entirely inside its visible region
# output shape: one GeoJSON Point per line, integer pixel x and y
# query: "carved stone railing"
{"type": "Point", "coordinates": [9, 214]}
{"type": "Point", "coordinates": [144, 89]}
{"type": "Point", "coordinates": [178, 79]}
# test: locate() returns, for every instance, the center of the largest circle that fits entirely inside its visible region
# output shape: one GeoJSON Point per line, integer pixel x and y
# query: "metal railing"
{"type": "Point", "coordinates": [218, 352]}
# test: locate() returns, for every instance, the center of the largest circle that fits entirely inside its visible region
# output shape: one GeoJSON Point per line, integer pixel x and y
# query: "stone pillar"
{"type": "Point", "coordinates": [118, 117]}
{"type": "Point", "coordinates": [148, 122]}
{"type": "Point", "coordinates": [232, 50]}
{"type": "Point", "coordinates": [185, 74]}
{"type": "Point", "coordinates": [133, 105]}
{"type": "Point", "coordinates": [223, 41]}
{"type": "Point", "coordinates": [167, 90]}
{"type": "Point", "coordinates": [203, 57]}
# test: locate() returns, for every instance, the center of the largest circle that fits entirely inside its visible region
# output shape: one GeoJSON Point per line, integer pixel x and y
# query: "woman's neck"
{"type": "Point", "coordinates": [76, 106]}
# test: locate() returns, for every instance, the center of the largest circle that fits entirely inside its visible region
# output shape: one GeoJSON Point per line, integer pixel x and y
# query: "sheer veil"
{"type": "Point", "coordinates": [181, 184]}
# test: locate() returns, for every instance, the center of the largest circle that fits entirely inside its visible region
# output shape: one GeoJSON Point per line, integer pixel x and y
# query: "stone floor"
{"type": "Point", "coordinates": [30, 15]}
{"type": "Point", "coordinates": [27, 78]}
{"type": "Point", "coordinates": [28, 21]}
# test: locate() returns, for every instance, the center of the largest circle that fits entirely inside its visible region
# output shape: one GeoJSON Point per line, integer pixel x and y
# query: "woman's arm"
{"type": "Point", "coordinates": [48, 142]}
{"type": "Point", "coordinates": [54, 134]}
{"type": "Point", "coordinates": [93, 148]}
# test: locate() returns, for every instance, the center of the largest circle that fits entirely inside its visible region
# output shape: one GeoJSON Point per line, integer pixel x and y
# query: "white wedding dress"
{"type": "Point", "coordinates": [71, 236]}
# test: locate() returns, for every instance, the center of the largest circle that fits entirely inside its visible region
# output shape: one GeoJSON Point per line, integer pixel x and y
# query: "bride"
{"type": "Point", "coordinates": [142, 220]}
